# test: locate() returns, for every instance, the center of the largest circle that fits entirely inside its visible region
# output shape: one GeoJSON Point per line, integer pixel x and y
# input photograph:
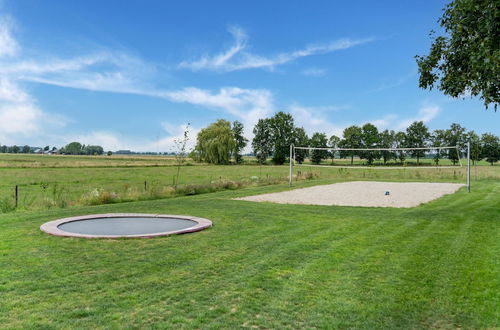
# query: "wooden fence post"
{"type": "Point", "coordinates": [17, 195]}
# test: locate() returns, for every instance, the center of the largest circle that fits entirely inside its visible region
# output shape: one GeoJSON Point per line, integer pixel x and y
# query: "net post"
{"type": "Point", "coordinates": [291, 159]}
{"type": "Point", "coordinates": [458, 156]}
{"type": "Point", "coordinates": [468, 166]}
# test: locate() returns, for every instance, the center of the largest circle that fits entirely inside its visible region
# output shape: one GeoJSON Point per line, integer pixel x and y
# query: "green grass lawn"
{"type": "Point", "coordinates": [262, 265]}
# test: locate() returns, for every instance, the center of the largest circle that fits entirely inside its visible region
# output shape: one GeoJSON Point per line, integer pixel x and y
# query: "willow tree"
{"type": "Point", "coordinates": [216, 143]}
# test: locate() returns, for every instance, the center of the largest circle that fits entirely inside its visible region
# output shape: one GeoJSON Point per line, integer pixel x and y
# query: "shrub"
{"type": "Point", "coordinates": [7, 205]}
{"type": "Point", "coordinates": [99, 196]}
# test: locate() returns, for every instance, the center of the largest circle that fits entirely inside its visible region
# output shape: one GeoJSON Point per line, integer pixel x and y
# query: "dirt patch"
{"type": "Point", "coordinates": [362, 193]}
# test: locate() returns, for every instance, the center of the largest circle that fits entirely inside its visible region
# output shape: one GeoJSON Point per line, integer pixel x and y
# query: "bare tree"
{"type": "Point", "coordinates": [181, 153]}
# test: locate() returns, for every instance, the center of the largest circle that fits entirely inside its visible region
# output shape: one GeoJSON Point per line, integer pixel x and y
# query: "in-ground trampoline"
{"type": "Point", "coordinates": [131, 225]}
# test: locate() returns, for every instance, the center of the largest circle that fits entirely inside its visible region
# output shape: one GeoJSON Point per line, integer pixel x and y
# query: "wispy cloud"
{"type": "Point", "coordinates": [320, 119]}
{"type": "Point", "coordinates": [20, 116]}
{"type": "Point", "coordinates": [389, 85]}
{"type": "Point", "coordinates": [248, 105]}
{"type": "Point", "coordinates": [237, 57]}
{"type": "Point", "coordinates": [314, 72]}
{"type": "Point", "coordinates": [315, 119]}
{"type": "Point", "coordinates": [8, 45]}
{"type": "Point", "coordinates": [101, 70]}
{"type": "Point", "coordinates": [111, 140]}
{"type": "Point", "coordinates": [385, 122]}
{"type": "Point", "coordinates": [425, 114]}
{"type": "Point", "coordinates": [114, 71]}
{"type": "Point", "coordinates": [105, 71]}
{"type": "Point", "coordinates": [110, 71]}
{"type": "Point", "coordinates": [393, 121]}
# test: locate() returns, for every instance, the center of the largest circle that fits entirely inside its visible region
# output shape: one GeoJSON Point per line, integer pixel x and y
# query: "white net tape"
{"type": "Point", "coordinates": [335, 150]}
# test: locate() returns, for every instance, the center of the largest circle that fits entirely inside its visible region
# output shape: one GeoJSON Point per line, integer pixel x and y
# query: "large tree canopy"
{"type": "Point", "coordinates": [215, 143]}
{"type": "Point", "coordinates": [262, 143]}
{"type": "Point", "coordinates": [417, 136]}
{"type": "Point", "coordinates": [352, 138]}
{"type": "Point", "coordinates": [467, 61]}
{"type": "Point", "coordinates": [241, 141]}
{"type": "Point", "coordinates": [282, 127]}
{"type": "Point", "coordinates": [319, 140]}
{"type": "Point", "coordinates": [301, 140]}
{"type": "Point", "coordinates": [490, 148]}
{"type": "Point", "coordinates": [370, 138]}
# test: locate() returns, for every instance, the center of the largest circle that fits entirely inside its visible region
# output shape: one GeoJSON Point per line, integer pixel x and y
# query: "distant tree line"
{"type": "Point", "coordinates": [73, 148]}
{"type": "Point", "coordinates": [76, 148]}
{"type": "Point", "coordinates": [222, 142]}
{"type": "Point", "coordinates": [25, 149]}
{"type": "Point", "coordinates": [15, 149]}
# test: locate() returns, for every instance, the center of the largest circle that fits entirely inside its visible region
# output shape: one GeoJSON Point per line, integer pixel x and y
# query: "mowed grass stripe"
{"type": "Point", "coordinates": [262, 264]}
{"type": "Point", "coordinates": [266, 258]}
{"type": "Point", "coordinates": [336, 277]}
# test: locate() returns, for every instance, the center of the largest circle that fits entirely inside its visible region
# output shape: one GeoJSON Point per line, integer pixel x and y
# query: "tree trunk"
{"type": "Point", "coordinates": [177, 178]}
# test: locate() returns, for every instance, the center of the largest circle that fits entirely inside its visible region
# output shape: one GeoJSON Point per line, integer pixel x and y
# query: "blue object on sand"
{"type": "Point", "coordinates": [387, 193]}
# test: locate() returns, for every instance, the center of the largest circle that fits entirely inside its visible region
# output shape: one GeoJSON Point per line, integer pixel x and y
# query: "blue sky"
{"type": "Point", "coordinates": [131, 74]}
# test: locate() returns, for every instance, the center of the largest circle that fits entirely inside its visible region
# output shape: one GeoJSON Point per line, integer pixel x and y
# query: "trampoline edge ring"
{"type": "Point", "coordinates": [52, 227]}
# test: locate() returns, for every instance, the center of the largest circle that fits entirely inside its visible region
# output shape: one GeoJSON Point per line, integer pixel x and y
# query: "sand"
{"type": "Point", "coordinates": [362, 193]}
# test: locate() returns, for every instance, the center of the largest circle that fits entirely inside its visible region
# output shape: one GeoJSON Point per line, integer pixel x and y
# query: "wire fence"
{"type": "Point", "coordinates": [48, 195]}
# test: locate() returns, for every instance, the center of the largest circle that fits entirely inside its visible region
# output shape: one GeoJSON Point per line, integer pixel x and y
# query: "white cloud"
{"type": "Point", "coordinates": [18, 113]}
{"type": "Point", "coordinates": [392, 121]}
{"type": "Point", "coordinates": [177, 133]}
{"type": "Point", "coordinates": [389, 85]}
{"type": "Point", "coordinates": [10, 92]}
{"type": "Point", "coordinates": [117, 72]}
{"type": "Point", "coordinates": [105, 71]}
{"type": "Point", "coordinates": [247, 105]}
{"type": "Point", "coordinates": [100, 70]}
{"type": "Point", "coordinates": [108, 140]}
{"type": "Point", "coordinates": [314, 119]}
{"type": "Point", "coordinates": [8, 45]}
{"type": "Point", "coordinates": [114, 141]}
{"type": "Point", "coordinates": [240, 41]}
{"type": "Point", "coordinates": [425, 114]}
{"type": "Point", "coordinates": [20, 117]}
{"type": "Point", "coordinates": [238, 58]}
{"type": "Point", "coordinates": [384, 122]}
{"type": "Point", "coordinates": [314, 72]}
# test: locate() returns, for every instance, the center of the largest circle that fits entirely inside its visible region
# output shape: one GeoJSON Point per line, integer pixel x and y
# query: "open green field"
{"type": "Point", "coordinates": [262, 265]}
{"type": "Point", "coordinates": [58, 161]}
{"type": "Point", "coordinates": [46, 182]}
